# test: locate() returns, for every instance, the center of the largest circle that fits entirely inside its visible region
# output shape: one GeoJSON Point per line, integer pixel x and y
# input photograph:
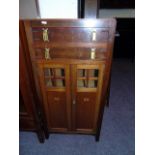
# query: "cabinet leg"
{"type": "Point", "coordinates": [107, 100]}
{"type": "Point", "coordinates": [46, 133]}
{"type": "Point", "coordinates": [44, 125]}
{"type": "Point", "coordinates": [99, 124]}
{"type": "Point", "coordinates": [97, 137]}
{"type": "Point", "coordinates": [40, 136]}
{"type": "Point", "coordinates": [108, 95]}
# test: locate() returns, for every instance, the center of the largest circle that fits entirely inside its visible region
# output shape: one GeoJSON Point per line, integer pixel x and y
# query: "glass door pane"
{"type": "Point", "coordinates": [87, 78]}
{"type": "Point", "coordinates": [54, 77]}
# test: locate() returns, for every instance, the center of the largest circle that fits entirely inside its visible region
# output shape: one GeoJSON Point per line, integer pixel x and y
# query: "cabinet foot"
{"type": "Point", "coordinates": [41, 140]}
{"type": "Point", "coordinates": [45, 129]}
{"type": "Point", "coordinates": [46, 133]}
{"type": "Point", "coordinates": [97, 137]}
{"type": "Point", "coordinates": [40, 137]}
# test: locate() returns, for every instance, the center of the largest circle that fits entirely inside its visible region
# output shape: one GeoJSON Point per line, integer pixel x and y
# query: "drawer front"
{"type": "Point", "coordinates": [62, 35]}
{"type": "Point", "coordinates": [72, 43]}
{"type": "Point", "coordinates": [73, 53]}
{"type": "Point", "coordinates": [72, 39]}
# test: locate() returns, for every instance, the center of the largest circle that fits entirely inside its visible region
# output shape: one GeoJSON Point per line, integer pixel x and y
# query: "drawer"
{"type": "Point", "coordinates": [63, 35]}
{"type": "Point", "coordinates": [71, 53]}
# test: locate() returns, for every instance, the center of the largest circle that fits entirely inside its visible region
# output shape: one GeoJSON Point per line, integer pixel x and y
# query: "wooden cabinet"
{"type": "Point", "coordinates": [30, 114]}
{"type": "Point", "coordinates": [26, 100]}
{"type": "Point", "coordinates": [71, 62]}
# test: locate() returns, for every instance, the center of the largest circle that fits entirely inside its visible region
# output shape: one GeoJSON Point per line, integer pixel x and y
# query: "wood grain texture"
{"type": "Point", "coordinates": [70, 34]}
{"type": "Point", "coordinates": [71, 108]}
{"type": "Point", "coordinates": [82, 23]}
{"type": "Point", "coordinates": [29, 118]}
{"type": "Point", "coordinates": [82, 53]}
{"type": "Point", "coordinates": [57, 109]}
{"type": "Point", "coordinates": [56, 101]}
{"type": "Point", "coordinates": [85, 110]}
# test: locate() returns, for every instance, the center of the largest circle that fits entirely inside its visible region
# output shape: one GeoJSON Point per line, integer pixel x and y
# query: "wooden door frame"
{"type": "Point", "coordinates": [41, 66]}
{"type": "Point", "coordinates": [74, 68]}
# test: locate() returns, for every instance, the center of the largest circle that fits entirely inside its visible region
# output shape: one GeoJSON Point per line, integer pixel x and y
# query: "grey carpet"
{"type": "Point", "coordinates": [117, 133]}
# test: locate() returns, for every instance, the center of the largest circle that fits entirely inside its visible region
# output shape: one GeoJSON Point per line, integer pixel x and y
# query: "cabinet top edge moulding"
{"type": "Point", "coordinates": [96, 23]}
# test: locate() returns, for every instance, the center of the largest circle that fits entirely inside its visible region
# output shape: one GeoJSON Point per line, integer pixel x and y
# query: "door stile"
{"type": "Point", "coordinates": [73, 95]}
{"type": "Point", "coordinates": [99, 93]}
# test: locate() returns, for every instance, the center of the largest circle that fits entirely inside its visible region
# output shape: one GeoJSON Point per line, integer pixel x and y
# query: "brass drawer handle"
{"type": "Point", "coordinates": [92, 54]}
{"type": "Point", "coordinates": [45, 34]}
{"type": "Point", "coordinates": [94, 35]}
{"type": "Point", "coordinates": [47, 53]}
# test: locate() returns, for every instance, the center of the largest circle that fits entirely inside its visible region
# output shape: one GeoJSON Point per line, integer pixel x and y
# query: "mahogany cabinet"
{"type": "Point", "coordinates": [29, 112]}
{"type": "Point", "coordinates": [71, 62]}
{"type": "Point", "coordinates": [26, 121]}
{"type": "Point", "coordinates": [26, 100]}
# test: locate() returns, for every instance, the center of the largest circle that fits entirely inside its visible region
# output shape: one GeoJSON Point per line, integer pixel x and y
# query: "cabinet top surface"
{"type": "Point", "coordinates": [106, 22]}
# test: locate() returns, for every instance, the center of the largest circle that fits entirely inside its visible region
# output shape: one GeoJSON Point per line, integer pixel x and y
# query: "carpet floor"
{"type": "Point", "coordinates": [118, 127]}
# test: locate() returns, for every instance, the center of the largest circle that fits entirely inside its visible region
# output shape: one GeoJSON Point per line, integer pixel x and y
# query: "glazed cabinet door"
{"type": "Point", "coordinates": [86, 94]}
{"type": "Point", "coordinates": [54, 82]}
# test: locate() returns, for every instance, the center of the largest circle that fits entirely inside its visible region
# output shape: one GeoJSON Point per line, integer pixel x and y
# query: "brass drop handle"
{"type": "Point", "coordinates": [92, 54]}
{"type": "Point", "coordinates": [47, 53]}
{"type": "Point", "coordinates": [94, 35]}
{"type": "Point", "coordinates": [45, 34]}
